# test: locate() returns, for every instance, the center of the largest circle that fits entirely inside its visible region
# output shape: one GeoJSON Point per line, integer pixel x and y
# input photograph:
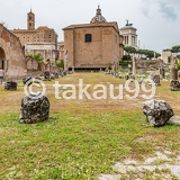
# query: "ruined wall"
{"type": "Point", "coordinates": [14, 63]}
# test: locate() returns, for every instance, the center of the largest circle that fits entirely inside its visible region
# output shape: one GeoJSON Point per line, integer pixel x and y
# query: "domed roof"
{"type": "Point", "coordinates": [98, 18]}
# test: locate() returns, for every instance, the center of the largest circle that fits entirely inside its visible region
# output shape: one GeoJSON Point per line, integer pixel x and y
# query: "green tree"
{"type": "Point", "coordinates": [178, 65]}
{"type": "Point", "coordinates": [130, 50]}
{"type": "Point", "coordinates": [178, 56]}
{"type": "Point", "coordinates": [60, 63]}
{"type": "Point", "coordinates": [37, 57]}
{"type": "Point", "coordinates": [126, 59]}
{"type": "Point", "coordinates": [175, 49]}
{"type": "Point", "coordinates": [148, 53]}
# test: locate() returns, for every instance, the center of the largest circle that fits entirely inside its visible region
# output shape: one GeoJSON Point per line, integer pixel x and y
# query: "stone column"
{"type": "Point", "coordinates": [129, 68]}
{"type": "Point", "coordinates": [162, 72]}
{"type": "Point", "coordinates": [66, 60]}
{"type": "Point", "coordinates": [174, 70]}
{"type": "Point", "coordinates": [73, 69]}
{"type": "Point", "coordinates": [134, 66]}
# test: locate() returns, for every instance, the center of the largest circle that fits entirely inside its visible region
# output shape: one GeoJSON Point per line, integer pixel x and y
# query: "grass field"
{"type": "Point", "coordinates": [82, 139]}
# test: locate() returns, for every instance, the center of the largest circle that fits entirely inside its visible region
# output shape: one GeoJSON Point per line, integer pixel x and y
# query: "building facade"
{"type": "Point", "coordinates": [12, 59]}
{"type": "Point", "coordinates": [93, 46]}
{"type": "Point", "coordinates": [168, 55]}
{"type": "Point", "coordinates": [61, 50]}
{"type": "Point", "coordinates": [130, 37]}
{"type": "Point", "coordinates": [42, 40]}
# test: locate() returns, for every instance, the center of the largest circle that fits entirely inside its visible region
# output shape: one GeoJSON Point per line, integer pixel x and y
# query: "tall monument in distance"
{"type": "Point", "coordinates": [129, 34]}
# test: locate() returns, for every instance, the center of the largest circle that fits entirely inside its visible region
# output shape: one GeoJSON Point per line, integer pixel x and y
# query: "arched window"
{"type": "Point", "coordinates": [88, 38]}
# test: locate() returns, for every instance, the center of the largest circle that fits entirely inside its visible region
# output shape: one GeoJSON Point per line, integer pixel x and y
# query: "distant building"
{"type": "Point", "coordinates": [167, 55]}
{"type": "Point", "coordinates": [129, 34]}
{"type": "Point", "coordinates": [12, 59]}
{"type": "Point", "coordinates": [42, 40]}
{"type": "Point", "coordinates": [61, 50]}
{"type": "Point", "coordinates": [93, 46]}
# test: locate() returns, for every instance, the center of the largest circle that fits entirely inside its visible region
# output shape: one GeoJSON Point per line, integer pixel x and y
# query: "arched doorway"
{"type": "Point", "coordinates": [2, 59]}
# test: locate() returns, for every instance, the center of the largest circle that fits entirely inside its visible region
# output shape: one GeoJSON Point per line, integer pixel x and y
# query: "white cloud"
{"type": "Point", "coordinates": [157, 21]}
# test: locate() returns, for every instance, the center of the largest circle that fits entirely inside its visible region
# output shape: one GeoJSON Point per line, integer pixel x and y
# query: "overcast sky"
{"type": "Point", "coordinates": [157, 21]}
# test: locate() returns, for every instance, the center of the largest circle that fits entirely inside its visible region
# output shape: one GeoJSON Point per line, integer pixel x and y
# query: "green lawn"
{"type": "Point", "coordinates": [77, 146]}
{"type": "Point", "coordinates": [78, 143]}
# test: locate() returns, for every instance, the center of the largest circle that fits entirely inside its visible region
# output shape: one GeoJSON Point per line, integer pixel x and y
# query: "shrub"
{"type": "Point", "coordinates": [37, 57]}
{"type": "Point", "coordinates": [60, 63]}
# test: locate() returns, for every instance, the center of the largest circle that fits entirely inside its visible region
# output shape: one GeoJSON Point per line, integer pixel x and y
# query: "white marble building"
{"type": "Point", "coordinates": [130, 36]}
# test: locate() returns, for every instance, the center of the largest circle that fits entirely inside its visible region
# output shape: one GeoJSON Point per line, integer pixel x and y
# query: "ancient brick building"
{"type": "Point", "coordinates": [61, 50]}
{"type": "Point", "coordinates": [42, 40]}
{"type": "Point", "coordinates": [12, 59]}
{"type": "Point", "coordinates": [93, 46]}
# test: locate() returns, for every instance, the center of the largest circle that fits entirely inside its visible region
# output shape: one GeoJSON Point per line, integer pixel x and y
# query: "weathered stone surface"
{"type": "Point", "coordinates": [157, 79]}
{"type": "Point", "coordinates": [10, 86]}
{"type": "Point", "coordinates": [56, 75]}
{"type": "Point", "coordinates": [148, 64]}
{"type": "Point", "coordinates": [109, 177]}
{"type": "Point", "coordinates": [174, 72]}
{"type": "Point", "coordinates": [65, 73]}
{"type": "Point", "coordinates": [32, 65]}
{"type": "Point", "coordinates": [175, 85]}
{"type": "Point", "coordinates": [133, 77]}
{"type": "Point", "coordinates": [52, 76]}
{"type": "Point", "coordinates": [175, 120]}
{"type": "Point", "coordinates": [47, 75]}
{"type": "Point", "coordinates": [157, 112]}
{"type": "Point", "coordinates": [162, 72]}
{"type": "Point", "coordinates": [163, 164]}
{"type": "Point", "coordinates": [61, 73]}
{"type": "Point", "coordinates": [34, 110]}
{"type": "Point", "coordinates": [14, 59]}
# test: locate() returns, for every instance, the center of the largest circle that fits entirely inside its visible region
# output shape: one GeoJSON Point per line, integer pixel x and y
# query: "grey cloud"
{"type": "Point", "coordinates": [167, 8]}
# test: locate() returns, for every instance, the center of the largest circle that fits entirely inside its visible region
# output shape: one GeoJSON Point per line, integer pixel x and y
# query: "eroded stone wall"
{"type": "Point", "coordinates": [14, 63]}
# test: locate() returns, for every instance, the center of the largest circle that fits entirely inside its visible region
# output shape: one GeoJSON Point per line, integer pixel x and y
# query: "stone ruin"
{"type": "Point", "coordinates": [34, 109]}
{"type": "Point", "coordinates": [163, 164]}
{"type": "Point", "coordinates": [148, 65]}
{"type": "Point", "coordinates": [10, 86]}
{"type": "Point", "coordinates": [156, 78]}
{"type": "Point", "coordinates": [162, 72]}
{"type": "Point", "coordinates": [175, 85]}
{"type": "Point", "coordinates": [47, 75]}
{"type": "Point", "coordinates": [157, 112]}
